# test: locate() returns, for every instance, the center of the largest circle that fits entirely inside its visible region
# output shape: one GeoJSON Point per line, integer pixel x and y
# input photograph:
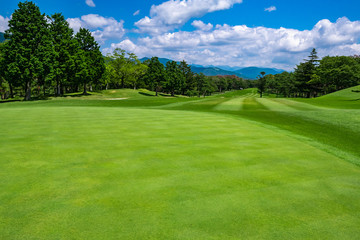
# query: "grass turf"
{"type": "Point", "coordinates": [230, 166]}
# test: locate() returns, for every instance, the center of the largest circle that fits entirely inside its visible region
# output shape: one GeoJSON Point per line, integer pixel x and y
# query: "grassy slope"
{"type": "Point", "coordinates": [143, 168]}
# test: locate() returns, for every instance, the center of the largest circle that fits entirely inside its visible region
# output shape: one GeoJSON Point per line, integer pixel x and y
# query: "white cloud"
{"type": "Point", "coordinates": [175, 13]}
{"type": "Point", "coordinates": [136, 13]}
{"type": "Point", "coordinates": [4, 21]}
{"type": "Point", "coordinates": [245, 46]}
{"type": "Point", "coordinates": [202, 26]}
{"type": "Point", "coordinates": [102, 28]}
{"type": "Point", "coordinates": [270, 9]}
{"type": "Point", "coordinates": [90, 3]}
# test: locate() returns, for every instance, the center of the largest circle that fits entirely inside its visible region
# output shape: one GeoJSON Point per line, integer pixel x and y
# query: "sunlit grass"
{"type": "Point", "coordinates": [231, 166]}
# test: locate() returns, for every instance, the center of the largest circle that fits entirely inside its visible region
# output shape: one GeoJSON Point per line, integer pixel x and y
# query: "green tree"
{"type": "Point", "coordinates": [93, 66]}
{"type": "Point", "coordinates": [303, 73]}
{"type": "Point", "coordinates": [125, 68]}
{"type": "Point", "coordinates": [28, 47]}
{"type": "Point", "coordinates": [155, 75]}
{"type": "Point", "coordinates": [261, 83]}
{"type": "Point", "coordinates": [174, 77]}
{"type": "Point", "coordinates": [189, 83]}
{"type": "Point", "coordinates": [3, 83]}
{"type": "Point", "coordinates": [338, 72]}
{"type": "Point", "coordinates": [65, 48]}
{"type": "Point", "coordinates": [204, 85]}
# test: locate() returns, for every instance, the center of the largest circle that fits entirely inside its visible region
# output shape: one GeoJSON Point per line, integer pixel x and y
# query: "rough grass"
{"type": "Point", "coordinates": [231, 166]}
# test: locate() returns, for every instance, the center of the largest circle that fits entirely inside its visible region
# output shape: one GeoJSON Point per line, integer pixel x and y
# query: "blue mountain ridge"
{"type": "Point", "coordinates": [246, 72]}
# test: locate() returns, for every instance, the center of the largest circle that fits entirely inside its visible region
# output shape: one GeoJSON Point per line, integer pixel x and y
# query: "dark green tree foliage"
{"type": "Point", "coordinates": [28, 50]}
{"type": "Point", "coordinates": [336, 73]}
{"type": "Point", "coordinates": [65, 50]}
{"type": "Point", "coordinates": [155, 75]}
{"type": "Point", "coordinates": [304, 73]}
{"type": "Point", "coordinates": [3, 83]}
{"type": "Point", "coordinates": [175, 79]}
{"type": "Point", "coordinates": [261, 83]}
{"type": "Point", "coordinates": [90, 64]}
{"type": "Point", "coordinates": [204, 85]}
{"type": "Point", "coordinates": [189, 83]}
{"type": "Point", "coordinates": [313, 77]}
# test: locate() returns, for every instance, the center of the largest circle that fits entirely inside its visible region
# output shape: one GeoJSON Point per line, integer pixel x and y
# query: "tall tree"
{"type": "Point", "coordinates": [155, 75]}
{"type": "Point", "coordinates": [174, 77]}
{"type": "Point", "coordinates": [65, 48]}
{"type": "Point", "coordinates": [93, 67]}
{"type": "Point", "coordinates": [28, 45]}
{"type": "Point", "coordinates": [188, 75]}
{"type": "Point", "coordinates": [126, 67]}
{"type": "Point", "coordinates": [304, 72]}
{"type": "Point", "coordinates": [261, 83]}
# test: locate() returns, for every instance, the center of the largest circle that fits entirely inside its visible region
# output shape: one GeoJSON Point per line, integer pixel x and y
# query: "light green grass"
{"type": "Point", "coordinates": [231, 166]}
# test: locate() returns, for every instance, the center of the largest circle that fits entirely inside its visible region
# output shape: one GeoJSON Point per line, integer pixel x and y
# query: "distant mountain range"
{"type": "Point", "coordinates": [247, 72]}
{"type": "Point", "coordinates": [2, 38]}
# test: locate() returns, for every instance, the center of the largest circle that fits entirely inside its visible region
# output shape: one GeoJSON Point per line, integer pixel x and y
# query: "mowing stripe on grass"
{"type": "Point", "coordinates": [234, 104]}
{"type": "Point", "coordinates": [110, 173]}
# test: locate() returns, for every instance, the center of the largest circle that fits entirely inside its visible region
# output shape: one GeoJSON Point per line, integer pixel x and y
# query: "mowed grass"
{"type": "Point", "coordinates": [231, 166]}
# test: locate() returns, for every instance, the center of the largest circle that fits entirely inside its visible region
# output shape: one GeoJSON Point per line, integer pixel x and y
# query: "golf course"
{"type": "Point", "coordinates": [126, 164]}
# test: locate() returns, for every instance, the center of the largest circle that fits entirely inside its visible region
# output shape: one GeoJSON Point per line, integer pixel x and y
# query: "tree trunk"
{"type": "Point", "coordinates": [11, 91]}
{"type": "Point", "coordinates": [58, 89]}
{"type": "Point", "coordinates": [107, 85]}
{"type": "Point", "coordinates": [85, 92]}
{"type": "Point", "coordinates": [28, 91]}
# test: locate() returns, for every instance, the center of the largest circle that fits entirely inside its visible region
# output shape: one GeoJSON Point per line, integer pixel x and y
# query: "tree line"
{"type": "Point", "coordinates": [125, 70]}
{"type": "Point", "coordinates": [42, 56]}
{"type": "Point", "coordinates": [42, 53]}
{"type": "Point", "coordinates": [314, 77]}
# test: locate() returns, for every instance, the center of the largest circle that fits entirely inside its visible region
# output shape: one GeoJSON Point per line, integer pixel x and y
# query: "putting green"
{"type": "Point", "coordinates": [75, 172]}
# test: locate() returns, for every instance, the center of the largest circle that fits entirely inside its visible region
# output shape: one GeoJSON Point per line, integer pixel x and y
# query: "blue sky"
{"type": "Point", "coordinates": [238, 33]}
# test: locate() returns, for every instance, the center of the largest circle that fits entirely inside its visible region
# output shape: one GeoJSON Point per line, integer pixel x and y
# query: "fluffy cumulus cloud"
{"type": "Point", "coordinates": [90, 3]}
{"type": "Point", "coordinates": [270, 9]}
{"type": "Point", "coordinates": [4, 23]}
{"type": "Point", "coordinates": [175, 13]}
{"type": "Point", "coordinates": [102, 28]}
{"type": "Point", "coordinates": [245, 46]}
{"type": "Point", "coordinates": [202, 26]}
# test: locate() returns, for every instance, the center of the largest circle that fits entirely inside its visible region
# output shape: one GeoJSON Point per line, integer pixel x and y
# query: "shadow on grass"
{"type": "Point", "coordinates": [147, 94]}
{"type": "Point", "coordinates": [9, 101]}
{"type": "Point", "coordinates": [77, 95]}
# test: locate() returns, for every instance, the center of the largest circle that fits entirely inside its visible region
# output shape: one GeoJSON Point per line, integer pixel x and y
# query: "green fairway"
{"type": "Point", "coordinates": [123, 164]}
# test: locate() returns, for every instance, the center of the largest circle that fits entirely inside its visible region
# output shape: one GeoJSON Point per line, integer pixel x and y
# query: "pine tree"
{"type": "Point", "coordinates": [174, 77]}
{"type": "Point", "coordinates": [28, 50]}
{"type": "Point", "coordinates": [155, 75]}
{"type": "Point", "coordinates": [93, 67]}
{"type": "Point", "coordinates": [65, 48]}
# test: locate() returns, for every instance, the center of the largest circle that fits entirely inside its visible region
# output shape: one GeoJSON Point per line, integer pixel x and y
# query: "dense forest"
{"type": "Point", "coordinates": [42, 57]}
{"type": "Point", "coordinates": [314, 77]}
